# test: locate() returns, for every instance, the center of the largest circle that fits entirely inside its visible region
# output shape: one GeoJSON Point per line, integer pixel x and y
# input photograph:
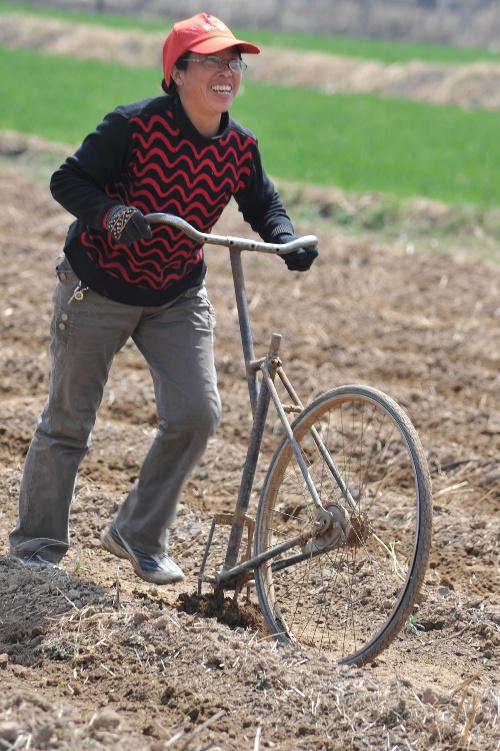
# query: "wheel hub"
{"type": "Point", "coordinates": [338, 529]}
{"type": "Point", "coordinates": [334, 528]}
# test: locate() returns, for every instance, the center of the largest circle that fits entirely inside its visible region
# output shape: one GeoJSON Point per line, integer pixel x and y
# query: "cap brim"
{"type": "Point", "coordinates": [217, 44]}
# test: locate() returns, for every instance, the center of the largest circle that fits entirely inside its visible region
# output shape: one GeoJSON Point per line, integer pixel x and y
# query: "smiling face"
{"type": "Point", "coordinates": [205, 94]}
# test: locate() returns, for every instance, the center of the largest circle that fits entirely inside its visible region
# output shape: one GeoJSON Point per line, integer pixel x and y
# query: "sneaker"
{"type": "Point", "coordinates": [157, 569]}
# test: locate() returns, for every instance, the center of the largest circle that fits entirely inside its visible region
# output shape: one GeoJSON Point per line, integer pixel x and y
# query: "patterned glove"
{"type": "Point", "coordinates": [126, 225]}
{"type": "Point", "coordinates": [301, 259]}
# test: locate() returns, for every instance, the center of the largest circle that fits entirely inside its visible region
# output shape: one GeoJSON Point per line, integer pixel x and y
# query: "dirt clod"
{"type": "Point", "coordinates": [225, 610]}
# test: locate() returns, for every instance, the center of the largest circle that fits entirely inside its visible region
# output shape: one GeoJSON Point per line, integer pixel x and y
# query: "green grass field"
{"type": "Point", "coordinates": [63, 98]}
{"type": "Point", "coordinates": [358, 143]}
{"type": "Point", "coordinates": [367, 143]}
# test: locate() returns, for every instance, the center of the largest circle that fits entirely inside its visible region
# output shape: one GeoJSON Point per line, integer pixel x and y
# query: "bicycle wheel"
{"type": "Point", "coordinates": [347, 588]}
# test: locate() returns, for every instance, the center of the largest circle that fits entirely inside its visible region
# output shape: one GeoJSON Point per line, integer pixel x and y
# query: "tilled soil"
{"type": "Point", "coordinates": [91, 657]}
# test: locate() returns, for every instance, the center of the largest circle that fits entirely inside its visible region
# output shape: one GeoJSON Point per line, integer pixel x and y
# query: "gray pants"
{"type": "Point", "coordinates": [177, 342]}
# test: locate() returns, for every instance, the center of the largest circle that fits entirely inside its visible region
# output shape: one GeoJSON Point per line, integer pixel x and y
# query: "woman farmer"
{"type": "Point", "coordinates": [179, 153]}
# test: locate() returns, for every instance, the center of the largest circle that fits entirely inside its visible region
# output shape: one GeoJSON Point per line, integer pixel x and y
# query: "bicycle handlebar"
{"type": "Point", "coordinates": [235, 243]}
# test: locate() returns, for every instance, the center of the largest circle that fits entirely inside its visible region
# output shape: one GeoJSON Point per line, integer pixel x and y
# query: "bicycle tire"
{"type": "Point", "coordinates": [349, 595]}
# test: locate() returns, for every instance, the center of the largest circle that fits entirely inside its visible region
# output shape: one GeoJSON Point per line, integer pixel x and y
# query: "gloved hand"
{"type": "Point", "coordinates": [126, 225]}
{"type": "Point", "coordinates": [301, 259]}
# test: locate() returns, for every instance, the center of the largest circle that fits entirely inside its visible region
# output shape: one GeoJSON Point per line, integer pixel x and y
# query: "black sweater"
{"type": "Point", "coordinates": [149, 155]}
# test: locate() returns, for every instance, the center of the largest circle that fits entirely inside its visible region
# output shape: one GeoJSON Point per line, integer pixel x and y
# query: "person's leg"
{"type": "Point", "coordinates": [86, 335]}
{"type": "Point", "coordinates": [178, 345]}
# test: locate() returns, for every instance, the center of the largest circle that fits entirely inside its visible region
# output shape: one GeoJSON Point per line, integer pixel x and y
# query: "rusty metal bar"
{"type": "Point", "coordinates": [245, 330]}
{"type": "Point", "coordinates": [253, 451]}
{"type": "Point", "coordinates": [227, 575]}
{"type": "Point", "coordinates": [293, 443]}
{"type": "Point", "coordinates": [320, 445]}
{"type": "Point", "coordinates": [201, 576]}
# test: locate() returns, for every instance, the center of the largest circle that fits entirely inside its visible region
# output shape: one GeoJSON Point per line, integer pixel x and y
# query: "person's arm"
{"type": "Point", "coordinates": [261, 205]}
{"type": "Point", "coordinates": [79, 184]}
{"type": "Point", "coordinates": [262, 208]}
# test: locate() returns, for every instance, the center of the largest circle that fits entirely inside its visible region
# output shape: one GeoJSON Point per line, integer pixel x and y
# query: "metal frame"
{"type": "Point", "coordinates": [234, 575]}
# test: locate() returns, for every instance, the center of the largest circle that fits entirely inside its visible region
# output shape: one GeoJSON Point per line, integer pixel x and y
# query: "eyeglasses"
{"type": "Point", "coordinates": [212, 62]}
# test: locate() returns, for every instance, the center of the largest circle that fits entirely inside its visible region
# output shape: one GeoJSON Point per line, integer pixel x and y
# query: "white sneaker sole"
{"type": "Point", "coordinates": [152, 577]}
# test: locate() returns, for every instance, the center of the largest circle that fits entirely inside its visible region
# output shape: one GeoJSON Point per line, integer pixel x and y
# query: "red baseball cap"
{"type": "Point", "coordinates": [202, 33]}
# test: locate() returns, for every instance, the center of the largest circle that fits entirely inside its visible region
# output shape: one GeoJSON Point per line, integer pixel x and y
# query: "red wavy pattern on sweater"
{"type": "Point", "coordinates": [169, 174]}
{"type": "Point", "coordinates": [140, 265]}
{"type": "Point", "coordinates": [154, 126]}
